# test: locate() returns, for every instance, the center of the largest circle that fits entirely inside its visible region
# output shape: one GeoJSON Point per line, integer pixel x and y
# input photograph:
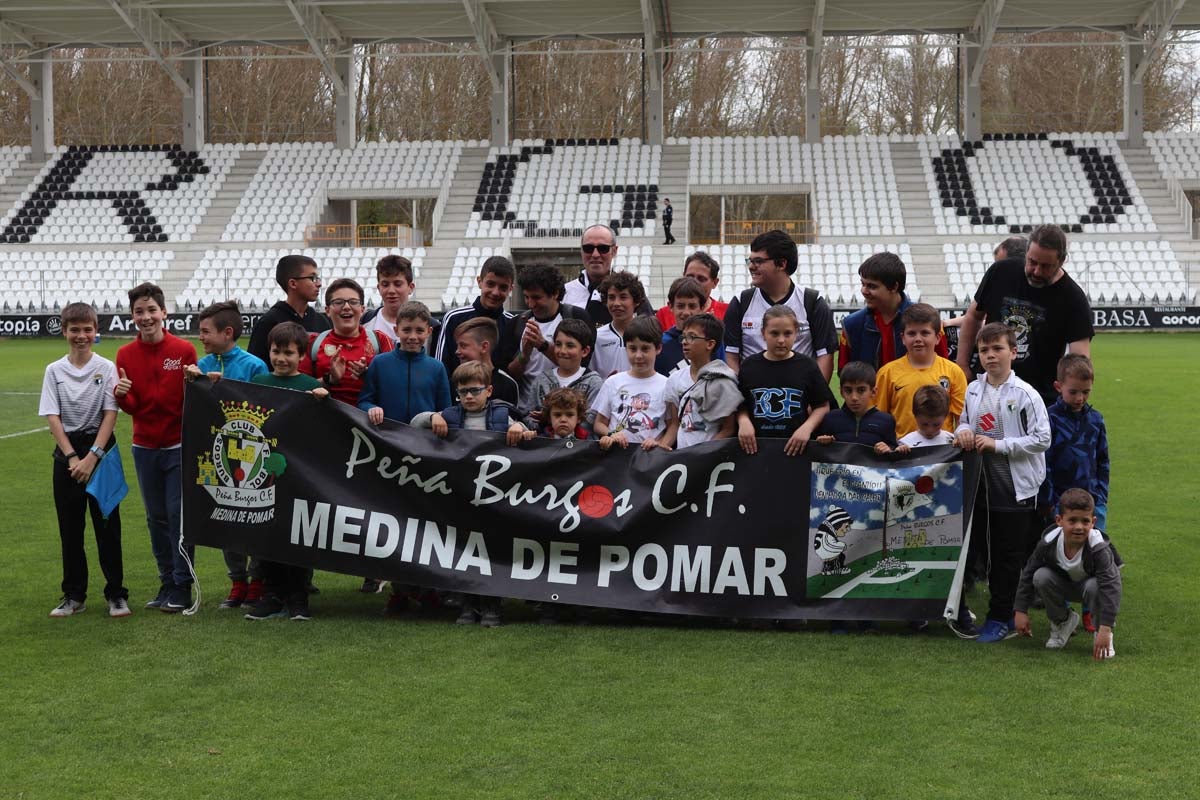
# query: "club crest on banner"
{"type": "Point", "coordinates": [240, 468]}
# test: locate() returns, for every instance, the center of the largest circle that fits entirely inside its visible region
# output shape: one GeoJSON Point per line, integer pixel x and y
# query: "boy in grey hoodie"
{"type": "Point", "coordinates": [702, 400]}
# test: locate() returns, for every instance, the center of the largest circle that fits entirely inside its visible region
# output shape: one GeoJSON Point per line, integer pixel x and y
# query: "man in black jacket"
{"type": "Point", "coordinates": [297, 275]}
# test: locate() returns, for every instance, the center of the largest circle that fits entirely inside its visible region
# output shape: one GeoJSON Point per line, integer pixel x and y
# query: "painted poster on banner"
{"type": "Point", "coordinates": [837, 533]}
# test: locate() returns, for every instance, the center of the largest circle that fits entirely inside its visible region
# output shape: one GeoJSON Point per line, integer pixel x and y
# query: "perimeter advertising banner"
{"type": "Point", "coordinates": [837, 533]}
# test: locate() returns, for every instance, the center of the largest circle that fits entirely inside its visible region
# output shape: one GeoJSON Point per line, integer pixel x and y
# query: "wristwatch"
{"type": "Point", "coordinates": [98, 452]}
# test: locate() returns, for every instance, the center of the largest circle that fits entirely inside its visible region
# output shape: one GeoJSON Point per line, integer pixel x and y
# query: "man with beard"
{"type": "Point", "coordinates": [1040, 302]}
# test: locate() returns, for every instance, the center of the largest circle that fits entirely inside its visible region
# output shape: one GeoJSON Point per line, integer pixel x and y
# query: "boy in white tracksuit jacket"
{"type": "Point", "coordinates": [1005, 419]}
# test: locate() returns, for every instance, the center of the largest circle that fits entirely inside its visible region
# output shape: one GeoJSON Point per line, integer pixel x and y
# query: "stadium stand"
{"type": "Point", "coordinates": [853, 185]}
{"type": "Point", "coordinates": [830, 268]}
{"type": "Point", "coordinates": [557, 187]}
{"type": "Point", "coordinates": [116, 194]}
{"type": "Point", "coordinates": [43, 279]}
{"type": "Point", "coordinates": [249, 275]}
{"type": "Point", "coordinates": [1084, 184]}
{"type": "Point", "coordinates": [292, 183]}
{"type": "Point", "coordinates": [10, 158]}
{"type": "Point", "coordinates": [1177, 154]}
{"type": "Point", "coordinates": [1111, 272]}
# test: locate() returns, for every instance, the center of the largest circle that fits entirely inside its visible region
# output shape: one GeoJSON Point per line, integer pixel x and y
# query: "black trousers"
{"type": "Point", "coordinates": [284, 580]}
{"type": "Point", "coordinates": [1001, 541]}
{"type": "Point", "coordinates": [72, 503]}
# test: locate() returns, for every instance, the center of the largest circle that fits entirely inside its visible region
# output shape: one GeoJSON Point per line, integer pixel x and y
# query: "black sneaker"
{"type": "Point", "coordinates": [297, 609]}
{"type": "Point", "coordinates": [270, 607]}
{"type": "Point", "coordinates": [179, 598]}
{"type": "Point", "coordinates": [159, 598]}
{"type": "Point", "coordinates": [371, 586]}
{"type": "Point", "coordinates": [467, 617]}
{"type": "Point", "coordinates": [490, 618]}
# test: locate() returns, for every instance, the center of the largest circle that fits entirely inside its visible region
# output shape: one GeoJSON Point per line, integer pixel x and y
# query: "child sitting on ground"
{"type": "Point", "coordinates": [930, 407]}
{"type": "Point", "coordinates": [858, 421]}
{"type": "Point", "coordinates": [702, 398]}
{"type": "Point", "coordinates": [81, 412]}
{"type": "Point", "coordinates": [475, 411]}
{"type": "Point", "coordinates": [785, 393]}
{"type": "Point", "coordinates": [1074, 561]}
{"type": "Point", "coordinates": [220, 327]}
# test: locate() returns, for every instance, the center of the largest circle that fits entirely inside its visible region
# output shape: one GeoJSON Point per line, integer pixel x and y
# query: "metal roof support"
{"type": "Point", "coordinates": [652, 67]}
{"type": "Point", "coordinates": [1135, 98]}
{"type": "Point", "coordinates": [41, 109]}
{"type": "Point", "coordinates": [346, 111]}
{"type": "Point", "coordinates": [1156, 19]}
{"type": "Point", "coordinates": [487, 39]}
{"type": "Point", "coordinates": [194, 124]}
{"type": "Point", "coordinates": [502, 63]}
{"type": "Point", "coordinates": [153, 31]}
{"type": "Point", "coordinates": [984, 27]}
{"type": "Point", "coordinates": [319, 31]}
{"type": "Point", "coordinates": [812, 65]}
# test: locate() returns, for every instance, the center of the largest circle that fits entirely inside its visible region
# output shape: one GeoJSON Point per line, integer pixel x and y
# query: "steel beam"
{"type": "Point", "coordinates": [152, 30]}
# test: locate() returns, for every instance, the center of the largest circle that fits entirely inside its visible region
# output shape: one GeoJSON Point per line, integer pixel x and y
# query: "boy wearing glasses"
{"type": "Point", "coordinates": [703, 398]}
{"type": "Point", "coordinates": [340, 356]}
{"type": "Point", "coordinates": [772, 262]}
{"type": "Point", "coordinates": [298, 277]}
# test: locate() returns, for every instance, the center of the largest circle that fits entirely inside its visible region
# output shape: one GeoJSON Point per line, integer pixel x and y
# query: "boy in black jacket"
{"type": "Point", "coordinates": [1072, 562]}
{"type": "Point", "coordinates": [858, 421]}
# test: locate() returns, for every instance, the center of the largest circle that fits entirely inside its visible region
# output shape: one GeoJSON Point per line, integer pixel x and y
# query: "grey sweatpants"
{"type": "Point", "coordinates": [1055, 590]}
{"type": "Point", "coordinates": [235, 565]}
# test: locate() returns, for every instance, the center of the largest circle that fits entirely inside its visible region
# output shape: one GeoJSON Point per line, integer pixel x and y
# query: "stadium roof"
{"type": "Point", "coordinates": [177, 26]}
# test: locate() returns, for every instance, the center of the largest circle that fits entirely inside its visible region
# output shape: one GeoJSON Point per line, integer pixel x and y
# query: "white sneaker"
{"type": "Point", "coordinates": [1060, 632]}
{"type": "Point", "coordinates": [1111, 651]}
{"type": "Point", "coordinates": [68, 607]}
{"type": "Point", "coordinates": [118, 607]}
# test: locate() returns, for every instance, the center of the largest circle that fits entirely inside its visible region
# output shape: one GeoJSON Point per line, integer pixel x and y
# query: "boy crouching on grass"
{"type": "Point", "coordinates": [286, 587]}
{"type": "Point", "coordinates": [1073, 561]}
{"type": "Point", "coordinates": [475, 411]}
{"type": "Point", "coordinates": [81, 411]}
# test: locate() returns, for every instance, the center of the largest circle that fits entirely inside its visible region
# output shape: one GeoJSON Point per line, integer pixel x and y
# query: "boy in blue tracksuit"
{"type": "Point", "coordinates": [858, 421]}
{"type": "Point", "coordinates": [401, 384]}
{"type": "Point", "coordinates": [220, 328]}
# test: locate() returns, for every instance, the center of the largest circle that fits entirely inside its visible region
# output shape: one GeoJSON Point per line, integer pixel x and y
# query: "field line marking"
{"type": "Point", "coordinates": [22, 433]}
{"type": "Point", "coordinates": [20, 394]}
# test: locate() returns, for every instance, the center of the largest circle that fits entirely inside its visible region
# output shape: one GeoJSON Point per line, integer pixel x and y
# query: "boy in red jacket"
{"type": "Point", "coordinates": [150, 373]}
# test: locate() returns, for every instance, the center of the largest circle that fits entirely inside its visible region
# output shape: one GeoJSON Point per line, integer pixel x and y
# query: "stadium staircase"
{"type": "Point", "coordinates": [926, 262]}
{"type": "Point", "coordinates": [452, 229]}
{"type": "Point", "coordinates": [1173, 226]}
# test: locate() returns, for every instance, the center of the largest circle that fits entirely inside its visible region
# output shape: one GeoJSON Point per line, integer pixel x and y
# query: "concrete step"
{"type": "Point", "coordinates": [229, 195]}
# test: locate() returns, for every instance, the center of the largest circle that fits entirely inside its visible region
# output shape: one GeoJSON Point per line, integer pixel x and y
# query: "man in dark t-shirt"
{"type": "Point", "coordinates": [1040, 301]}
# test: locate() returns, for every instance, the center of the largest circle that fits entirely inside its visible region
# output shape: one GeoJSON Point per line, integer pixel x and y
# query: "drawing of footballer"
{"type": "Point", "coordinates": [828, 544]}
{"type": "Point", "coordinates": [631, 411]}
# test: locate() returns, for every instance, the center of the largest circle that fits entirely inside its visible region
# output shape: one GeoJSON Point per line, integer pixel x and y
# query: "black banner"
{"type": "Point", "coordinates": [836, 533]}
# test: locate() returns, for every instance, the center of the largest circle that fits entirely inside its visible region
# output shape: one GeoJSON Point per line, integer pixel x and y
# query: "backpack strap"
{"type": "Point", "coordinates": [316, 346]}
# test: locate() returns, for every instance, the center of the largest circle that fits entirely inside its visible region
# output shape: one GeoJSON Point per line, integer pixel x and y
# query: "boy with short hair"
{"type": "Point", "coordinates": [898, 381]}
{"type": "Point", "coordinates": [573, 341]}
{"type": "Point", "coordinates": [476, 340]}
{"type": "Point", "coordinates": [220, 327]}
{"type": "Point", "coordinates": [394, 278]}
{"type": "Point", "coordinates": [858, 421]}
{"type": "Point", "coordinates": [340, 356]}
{"type": "Point", "coordinates": [403, 384]}
{"type": "Point", "coordinates": [1005, 420]}
{"type": "Point", "coordinates": [630, 408]}
{"type": "Point", "coordinates": [284, 589]}
{"type": "Point", "coordinates": [80, 409]}
{"type": "Point", "coordinates": [527, 346]}
{"type": "Point", "coordinates": [685, 299]}
{"type": "Point", "coordinates": [495, 281]}
{"type": "Point", "coordinates": [298, 277]}
{"type": "Point", "coordinates": [930, 407]}
{"type": "Point", "coordinates": [785, 391]}
{"type": "Point", "coordinates": [1074, 561]}
{"type": "Point", "coordinates": [1078, 453]}
{"type": "Point", "coordinates": [623, 293]}
{"type": "Point", "coordinates": [150, 389]}
{"type": "Point", "coordinates": [702, 399]}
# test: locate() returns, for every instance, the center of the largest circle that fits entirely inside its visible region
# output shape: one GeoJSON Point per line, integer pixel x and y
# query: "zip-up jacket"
{"type": "Point", "coordinates": [1100, 561]}
{"type": "Point", "coordinates": [155, 400]}
{"type": "Point", "coordinates": [236, 365]}
{"type": "Point", "coordinates": [1026, 430]}
{"type": "Point", "coordinates": [404, 384]}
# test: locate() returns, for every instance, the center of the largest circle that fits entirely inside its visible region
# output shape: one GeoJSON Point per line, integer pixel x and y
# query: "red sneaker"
{"type": "Point", "coordinates": [255, 592]}
{"type": "Point", "coordinates": [1089, 624]}
{"type": "Point", "coordinates": [237, 595]}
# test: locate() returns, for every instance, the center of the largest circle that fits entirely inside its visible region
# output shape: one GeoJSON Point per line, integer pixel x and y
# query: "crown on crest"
{"type": "Point", "coordinates": [255, 415]}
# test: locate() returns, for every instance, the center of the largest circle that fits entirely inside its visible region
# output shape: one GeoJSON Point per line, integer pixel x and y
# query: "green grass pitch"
{"type": "Point", "coordinates": [353, 705]}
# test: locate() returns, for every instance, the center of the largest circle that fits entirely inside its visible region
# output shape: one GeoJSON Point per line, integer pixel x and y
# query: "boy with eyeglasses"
{"type": "Point", "coordinates": [703, 397]}
{"type": "Point", "coordinates": [340, 356]}
{"type": "Point", "coordinates": [299, 278]}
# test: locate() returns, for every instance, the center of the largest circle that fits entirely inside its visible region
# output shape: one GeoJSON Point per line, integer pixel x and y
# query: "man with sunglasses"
{"type": "Point", "coordinates": [772, 262]}
{"type": "Point", "coordinates": [598, 248]}
{"type": "Point", "coordinates": [298, 276]}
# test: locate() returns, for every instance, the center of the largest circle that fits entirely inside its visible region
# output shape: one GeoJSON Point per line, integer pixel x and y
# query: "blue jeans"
{"type": "Point", "coordinates": [160, 475]}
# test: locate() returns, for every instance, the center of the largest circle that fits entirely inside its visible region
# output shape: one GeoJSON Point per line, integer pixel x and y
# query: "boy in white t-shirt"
{"type": "Point", "coordinates": [394, 275]}
{"type": "Point", "coordinates": [930, 407]}
{"type": "Point", "coordinates": [623, 293]}
{"type": "Point", "coordinates": [630, 407]}
{"type": "Point", "coordinates": [703, 399]}
{"type": "Point", "coordinates": [81, 411]}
